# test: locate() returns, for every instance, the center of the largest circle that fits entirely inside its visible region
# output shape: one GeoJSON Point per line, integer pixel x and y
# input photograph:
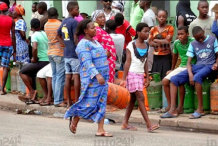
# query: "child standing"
{"type": "Point", "coordinates": [118, 41]}
{"type": "Point", "coordinates": [134, 69]}
{"type": "Point", "coordinates": [72, 64]}
{"type": "Point", "coordinates": [160, 38]}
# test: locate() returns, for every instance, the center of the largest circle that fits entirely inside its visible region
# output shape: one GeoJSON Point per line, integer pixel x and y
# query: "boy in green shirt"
{"type": "Point", "coordinates": [180, 48]}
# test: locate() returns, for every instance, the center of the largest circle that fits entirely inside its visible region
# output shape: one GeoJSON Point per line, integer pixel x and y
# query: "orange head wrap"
{"type": "Point", "coordinates": [20, 10]}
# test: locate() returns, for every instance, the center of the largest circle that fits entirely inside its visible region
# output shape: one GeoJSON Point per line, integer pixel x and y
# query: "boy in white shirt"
{"type": "Point", "coordinates": [118, 41]}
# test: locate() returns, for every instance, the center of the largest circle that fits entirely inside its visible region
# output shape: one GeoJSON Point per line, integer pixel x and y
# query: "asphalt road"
{"type": "Point", "coordinates": [35, 130]}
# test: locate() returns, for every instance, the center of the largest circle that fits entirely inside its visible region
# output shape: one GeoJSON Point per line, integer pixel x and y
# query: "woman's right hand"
{"type": "Point", "coordinates": [100, 79]}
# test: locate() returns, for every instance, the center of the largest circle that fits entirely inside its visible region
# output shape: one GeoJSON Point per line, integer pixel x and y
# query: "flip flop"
{"type": "Point", "coordinates": [32, 102]}
{"type": "Point", "coordinates": [130, 128]}
{"type": "Point", "coordinates": [195, 115]}
{"type": "Point", "coordinates": [168, 115]}
{"type": "Point", "coordinates": [46, 103]}
{"type": "Point", "coordinates": [73, 131]}
{"type": "Point", "coordinates": [153, 128]}
{"type": "Point", "coordinates": [104, 134]}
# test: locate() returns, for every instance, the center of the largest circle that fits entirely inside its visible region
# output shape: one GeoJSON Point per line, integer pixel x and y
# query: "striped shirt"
{"type": "Point", "coordinates": [55, 47]}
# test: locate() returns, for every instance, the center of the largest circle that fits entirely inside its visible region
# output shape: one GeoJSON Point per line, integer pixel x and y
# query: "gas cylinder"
{"type": "Point", "coordinates": [188, 99]}
{"type": "Point", "coordinates": [214, 98]}
{"type": "Point", "coordinates": [154, 92]}
{"type": "Point", "coordinates": [39, 89]}
{"type": "Point", "coordinates": [21, 87]}
{"type": "Point", "coordinates": [13, 74]}
{"type": "Point", "coordinates": [206, 96]}
{"type": "Point", "coordinates": [18, 81]}
{"type": "Point", "coordinates": [164, 99]}
{"type": "Point", "coordinates": [8, 82]}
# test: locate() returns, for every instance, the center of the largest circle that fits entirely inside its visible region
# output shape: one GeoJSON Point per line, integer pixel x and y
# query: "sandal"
{"type": "Point", "coordinates": [46, 103]}
{"type": "Point", "coordinates": [195, 115]}
{"type": "Point", "coordinates": [104, 134]}
{"type": "Point", "coordinates": [130, 128]}
{"type": "Point", "coordinates": [153, 128]}
{"type": "Point", "coordinates": [168, 115]}
{"type": "Point", "coordinates": [74, 127]}
{"type": "Point", "coordinates": [32, 102]}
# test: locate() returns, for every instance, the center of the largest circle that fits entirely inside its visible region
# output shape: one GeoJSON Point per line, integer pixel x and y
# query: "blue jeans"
{"type": "Point", "coordinates": [58, 77]}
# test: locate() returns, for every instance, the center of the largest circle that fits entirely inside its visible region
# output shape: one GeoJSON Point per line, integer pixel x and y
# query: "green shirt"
{"type": "Point", "coordinates": [181, 49]}
{"type": "Point", "coordinates": [42, 45]}
{"type": "Point", "coordinates": [136, 14]}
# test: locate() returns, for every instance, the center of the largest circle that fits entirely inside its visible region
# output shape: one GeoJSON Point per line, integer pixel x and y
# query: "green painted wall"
{"type": "Point", "coordinates": [87, 6]}
{"type": "Point", "coordinates": [28, 12]}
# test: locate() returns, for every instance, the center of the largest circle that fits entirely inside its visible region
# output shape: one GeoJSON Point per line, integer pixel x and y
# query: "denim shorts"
{"type": "Point", "coordinates": [5, 53]}
{"type": "Point", "coordinates": [200, 72]}
{"type": "Point", "coordinates": [72, 66]}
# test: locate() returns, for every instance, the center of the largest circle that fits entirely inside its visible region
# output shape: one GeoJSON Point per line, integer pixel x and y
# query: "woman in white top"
{"type": "Point", "coordinates": [133, 77]}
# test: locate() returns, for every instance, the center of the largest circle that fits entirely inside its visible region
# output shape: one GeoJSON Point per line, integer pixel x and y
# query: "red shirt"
{"type": "Point", "coordinates": [127, 31]}
{"type": "Point", "coordinates": [5, 30]}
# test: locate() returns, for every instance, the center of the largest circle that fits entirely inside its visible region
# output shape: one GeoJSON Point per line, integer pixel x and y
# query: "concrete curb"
{"type": "Point", "coordinates": [209, 122]}
{"type": "Point", "coordinates": [183, 122]}
{"type": "Point", "coordinates": [50, 110]}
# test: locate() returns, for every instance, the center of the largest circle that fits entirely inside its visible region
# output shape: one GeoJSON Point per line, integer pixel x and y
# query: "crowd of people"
{"type": "Point", "coordinates": [92, 51]}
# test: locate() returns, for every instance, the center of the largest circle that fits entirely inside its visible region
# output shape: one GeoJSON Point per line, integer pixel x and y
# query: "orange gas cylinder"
{"type": "Point", "coordinates": [146, 99]}
{"type": "Point", "coordinates": [72, 94]}
{"type": "Point", "coordinates": [118, 96]}
{"type": "Point", "coordinates": [214, 98]}
{"type": "Point", "coordinates": [27, 91]}
{"type": "Point", "coordinates": [120, 74]}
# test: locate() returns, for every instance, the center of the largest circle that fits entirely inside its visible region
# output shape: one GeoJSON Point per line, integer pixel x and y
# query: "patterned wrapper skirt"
{"type": "Point", "coordinates": [135, 82]}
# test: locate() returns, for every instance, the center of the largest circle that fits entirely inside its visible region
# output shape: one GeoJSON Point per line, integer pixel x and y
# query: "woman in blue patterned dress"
{"type": "Point", "coordinates": [22, 53]}
{"type": "Point", "coordinates": [94, 75]}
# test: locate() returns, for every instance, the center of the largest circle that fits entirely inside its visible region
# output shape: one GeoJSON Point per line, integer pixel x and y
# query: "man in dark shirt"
{"type": "Point", "coordinates": [42, 10]}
